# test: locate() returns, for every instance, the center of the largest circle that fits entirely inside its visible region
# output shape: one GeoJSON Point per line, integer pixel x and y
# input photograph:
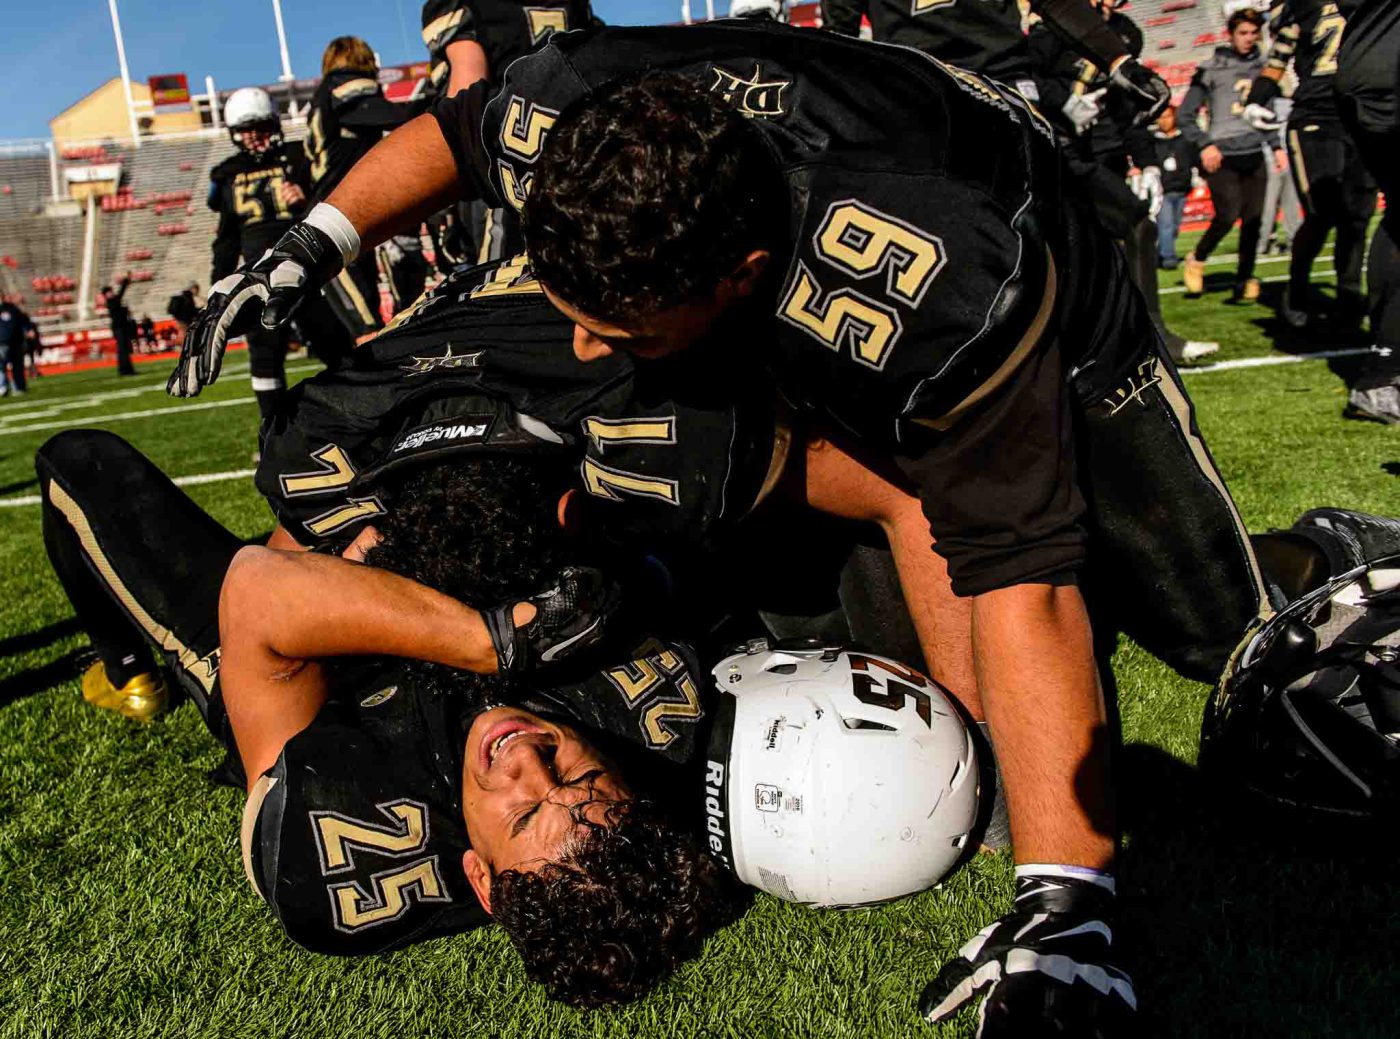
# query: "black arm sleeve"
{"type": "Point", "coordinates": [376, 112]}
{"type": "Point", "coordinates": [843, 16]}
{"type": "Point", "coordinates": [226, 246]}
{"type": "Point", "coordinates": [1083, 28]}
{"type": "Point", "coordinates": [1054, 74]}
{"type": "Point", "coordinates": [459, 117]}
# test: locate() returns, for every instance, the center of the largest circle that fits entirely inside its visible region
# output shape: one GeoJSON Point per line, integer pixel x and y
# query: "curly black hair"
{"type": "Point", "coordinates": [632, 899]}
{"type": "Point", "coordinates": [483, 531]}
{"type": "Point", "coordinates": [649, 193]}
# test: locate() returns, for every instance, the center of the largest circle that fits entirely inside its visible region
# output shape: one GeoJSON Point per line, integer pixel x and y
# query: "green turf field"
{"type": "Point", "coordinates": [124, 911]}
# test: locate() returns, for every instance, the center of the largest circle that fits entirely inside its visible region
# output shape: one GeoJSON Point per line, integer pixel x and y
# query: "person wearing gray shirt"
{"type": "Point", "coordinates": [1233, 154]}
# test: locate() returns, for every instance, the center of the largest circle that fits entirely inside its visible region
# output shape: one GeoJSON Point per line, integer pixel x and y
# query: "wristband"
{"type": "Point", "coordinates": [336, 226]}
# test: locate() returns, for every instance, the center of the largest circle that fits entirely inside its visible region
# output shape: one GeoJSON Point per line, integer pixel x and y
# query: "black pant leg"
{"type": "Point", "coordinates": [1225, 197]}
{"type": "Point", "coordinates": [267, 365]}
{"type": "Point", "coordinates": [1254, 185]}
{"type": "Point", "coordinates": [353, 297]}
{"type": "Point", "coordinates": [140, 560]}
{"type": "Point", "coordinates": [325, 336]}
{"type": "Point", "coordinates": [123, 338]}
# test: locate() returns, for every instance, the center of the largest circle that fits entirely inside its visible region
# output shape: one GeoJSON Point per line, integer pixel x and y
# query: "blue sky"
{"type": "Point", "coordinates": [55, 54]}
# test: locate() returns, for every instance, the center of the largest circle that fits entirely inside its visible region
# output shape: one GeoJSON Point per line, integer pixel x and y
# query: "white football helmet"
{"type": "Point", "coordinates": [836, 778]}
{"type": "Point", "coordinates": [250, 109]}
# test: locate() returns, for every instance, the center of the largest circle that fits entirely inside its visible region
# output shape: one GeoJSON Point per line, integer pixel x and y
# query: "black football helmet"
{"type": "Point", "coordinates": [1308, 713]}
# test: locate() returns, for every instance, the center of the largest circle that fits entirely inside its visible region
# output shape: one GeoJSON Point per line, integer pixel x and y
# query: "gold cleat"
{"type": "Point", "coordinates": [1193, 275]}
{"type": "Point", "coordinates": [144, 697]}
{"type": "Point", "coordinates": [1249, 292]}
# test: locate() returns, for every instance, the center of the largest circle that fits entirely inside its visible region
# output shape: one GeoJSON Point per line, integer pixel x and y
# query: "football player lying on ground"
{"type": "Point", "coordinates": [391, 801]}
{"type": "Point", "coordinates": [345, 784]}
{"type": "Point", "coordinates": [934, 297]}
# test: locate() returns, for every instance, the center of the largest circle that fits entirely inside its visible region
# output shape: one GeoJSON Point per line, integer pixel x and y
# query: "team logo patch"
{"type": "Point", "coordinates": [448, 361]}
{"type": "Point", "coordinates": [381, 697]}
{"type": "Point", "coordinates": [1138, 383]}
{"type": "Point", "coordinates": [756, 97]}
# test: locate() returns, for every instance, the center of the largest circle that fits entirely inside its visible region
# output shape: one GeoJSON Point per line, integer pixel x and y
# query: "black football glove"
{"type": "Point", "coordinates": [1045, 968]}
{"type": "Point", "coordinates": [1147, 91]}
{"type": "Point", "coordinates": [269, 289]}
{"type": "Point", "coordinates": [569, 616]}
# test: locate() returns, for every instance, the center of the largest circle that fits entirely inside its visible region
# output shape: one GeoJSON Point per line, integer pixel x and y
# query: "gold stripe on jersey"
{"type": "Point", "coordinates": [202, 669]}
{"type": "Point", "coordinates": [510, 279]}
{"type": "Point", "coordinates": [336, 472]}
{"type": "Point", "coordinates": [355, 88]}
{"type": "Point", "coordinates": [338, 835]}
{"type": "Point", "coordinates": [1300, 168]}
{"type": "Point", "coordinates": [605, 431]}
{"type": "Point", "coordinates": [440, 28]}
{"type": "Point", "coordinates": [1014, 359]}
{"type": "Point", "coordinates": [488, 233]}
{"type": "Point", "coordinates": [350, 291]}
{"type": "Point", "coordinates": [344, 515]}
{"type": "Point", "coordinates": [545, 21]}
{"type": "Point", "coordinates": [252, 808]}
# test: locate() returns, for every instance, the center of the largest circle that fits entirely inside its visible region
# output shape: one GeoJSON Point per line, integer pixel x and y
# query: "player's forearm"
{"type": "Point", "coordinates": [404, 179]}
{"type": "Point", "coordinates": [1081, 26]}
{"type": "Point", "coordinates": [1035, 669]}
{"type": "Point", "coordinates": [302, 606]}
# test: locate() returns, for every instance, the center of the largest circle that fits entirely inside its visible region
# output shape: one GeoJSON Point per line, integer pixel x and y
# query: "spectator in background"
{"type": "Point", "coordinates": [1233, 153]}
{"type": "Point", "coordinates": [146, 334]}
{"type": "Point", "coordinates": [32, 345]}
{"type": "Point", "coordinates": [123, 328]}
{"type": "Point", "coordinates": [183, 307]}
{"type": "Point", "coordinates": [1177, 157]}
{"type": "Point", "coordinates": [14, 330]}
{"type": "Point", "coordinates": [1281, 205]}
{"type": "Point", "coordinates": [348, 116]}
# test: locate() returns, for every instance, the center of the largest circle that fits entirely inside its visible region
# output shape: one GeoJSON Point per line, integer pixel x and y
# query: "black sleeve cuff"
{"type": "Point", "coordinates": [459, 118]}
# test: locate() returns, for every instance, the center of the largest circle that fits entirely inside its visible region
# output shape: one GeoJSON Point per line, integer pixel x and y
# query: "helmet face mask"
{"type": "Point", "coordinates": [1309, 713]}
{"type": "Point", "coordinates": [837, 778]}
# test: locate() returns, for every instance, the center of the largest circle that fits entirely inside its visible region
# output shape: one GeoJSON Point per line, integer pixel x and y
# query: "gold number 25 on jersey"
{"type": "Point", "coordinates": [863, 242]}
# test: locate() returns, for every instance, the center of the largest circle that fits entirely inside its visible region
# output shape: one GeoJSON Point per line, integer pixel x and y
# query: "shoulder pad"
{"type": "Point", "coordinates": [353, 89]}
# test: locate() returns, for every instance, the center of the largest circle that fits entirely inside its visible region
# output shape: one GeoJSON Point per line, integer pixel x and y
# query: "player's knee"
{"type": "Point", "coordinates": [86, 448]}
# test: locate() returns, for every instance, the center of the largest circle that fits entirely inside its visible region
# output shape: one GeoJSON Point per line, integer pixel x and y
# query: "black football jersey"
{"type": "Point", "coordinates": [347, 117]}
{"type": "Point", "coordinates": [505, 29]}
{"type": "Point", "coordinates": [984, 36]}
{"type": "Point", "coordinates": [245, 190]}
{"type": "Point", "coordinates": [357, 844]}
{"type": "Point", "coordinates": [1309, 35]}
{"type": "Point", "coordinates": [918, 261]}
{"type": "Point", "coordinates": [485, 351]}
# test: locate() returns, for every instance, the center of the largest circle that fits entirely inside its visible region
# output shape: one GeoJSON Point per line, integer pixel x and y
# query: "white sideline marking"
{"type": "Point", "coordinates": [1278, 277]}
{"type": "Point", "coordinates": [45, 408]}
{"type": "Point", "coordinates": [97, 420]}
{"type": "Point", "coordinates": [1272, 359]}
{"type": "Point", "coordinates": [179, 481]}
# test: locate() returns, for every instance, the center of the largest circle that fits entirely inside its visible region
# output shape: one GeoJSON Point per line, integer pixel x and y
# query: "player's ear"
{"type": "Point", "coordinates": [478, 876]}
{"type": "Point", "coordinates": [744, 279]}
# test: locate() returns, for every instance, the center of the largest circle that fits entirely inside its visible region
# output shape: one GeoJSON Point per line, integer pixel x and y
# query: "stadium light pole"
{"type": "Point", "coordinates": [287, 76]}
{"type": "Point", "coordinates": [685, 11]}
{"type": "Point", "coordinates": [126, 75]}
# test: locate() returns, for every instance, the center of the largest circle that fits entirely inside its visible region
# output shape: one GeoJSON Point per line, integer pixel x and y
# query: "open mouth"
{"type": "Point", "coordinates": [502, 735]}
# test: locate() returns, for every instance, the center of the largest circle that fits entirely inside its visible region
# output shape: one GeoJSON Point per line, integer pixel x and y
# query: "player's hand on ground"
{"type": "Point", "coordinates": [1044, 969]}
{"type": "Point", "coordinates": [570, 615]}
{"type": "Point", "coordinates": [1083, 110]}
{"type": "Point", "coordinates": [1147, 91]}
{"type": "Point", "coordinates": [1261, 118]}
{"type": "Point", "coordinates": [267, 290]}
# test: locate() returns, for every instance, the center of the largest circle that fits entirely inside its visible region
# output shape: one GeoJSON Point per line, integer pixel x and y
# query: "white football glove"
{"type": "Point", "coordinates": [1147, 185]}
{"type": "Point", "coordinates": [1045, 967]}
{"type": "Point", "coordinates": [1083, 110]}
{"type": "Point", "coordinates": [1261, 118]}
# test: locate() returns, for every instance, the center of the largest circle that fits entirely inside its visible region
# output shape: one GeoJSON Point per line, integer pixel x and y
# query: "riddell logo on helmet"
{"type": "Point", "coordinates": [716, 834]}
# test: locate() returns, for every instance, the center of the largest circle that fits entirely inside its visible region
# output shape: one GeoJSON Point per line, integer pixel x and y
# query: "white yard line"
{"type": "Point", "coordinates": [179, 481]}
{"type": "Point", "coordinates": [18, 412]}
{"type": "Point", "coordinates": [121, 416]}
{"type": "Point", "coordinates": [1280, 277]}
{"type": "Point", "coordinates": [1273, 359]}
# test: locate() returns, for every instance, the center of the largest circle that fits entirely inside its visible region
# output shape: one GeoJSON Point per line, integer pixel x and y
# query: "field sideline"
{"type": "Point", "coordinates": [124, 910]}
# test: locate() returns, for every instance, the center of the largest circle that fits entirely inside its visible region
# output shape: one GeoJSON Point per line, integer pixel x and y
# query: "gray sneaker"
{"type": "Point", "coordinates": [1381, 404]}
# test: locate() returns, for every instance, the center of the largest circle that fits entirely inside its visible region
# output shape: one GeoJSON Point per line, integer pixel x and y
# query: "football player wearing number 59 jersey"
{"type": "Point", "coordinates": [895, 227]}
